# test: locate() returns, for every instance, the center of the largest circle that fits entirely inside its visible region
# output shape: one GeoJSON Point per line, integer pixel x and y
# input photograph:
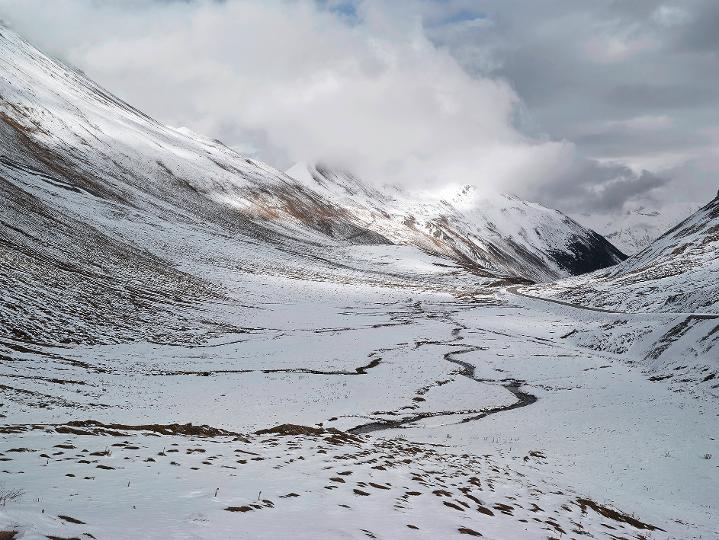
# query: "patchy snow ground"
{"type": "Point", "coordinates": [270, 486]}
{"type": "Point", "coordinates": [429, 384]}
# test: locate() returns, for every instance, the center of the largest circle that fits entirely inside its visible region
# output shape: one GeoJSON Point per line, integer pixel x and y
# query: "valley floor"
{"type": "Point", "coordinates": [429, 417]}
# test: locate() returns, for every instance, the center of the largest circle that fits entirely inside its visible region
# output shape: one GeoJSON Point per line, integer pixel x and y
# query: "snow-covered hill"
{"type": "Point", "coordinates": [71, 145]}
{"type": "Point", "coordinates": [102, 200]}
{"type": "Point", "coordinates": [678, 272]}
{"type": "Point", "coordinates": [663, 304]}
{"type": "Point", "coordinates": [497, 232]}
{"type": "Point", "coordinates": [634, 229]}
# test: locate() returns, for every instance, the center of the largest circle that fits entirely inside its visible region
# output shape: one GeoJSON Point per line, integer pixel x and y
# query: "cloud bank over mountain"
{"type": "Point", "coordinates": [421, 94]}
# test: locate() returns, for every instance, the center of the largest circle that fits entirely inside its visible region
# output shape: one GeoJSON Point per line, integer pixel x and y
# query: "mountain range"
{"type": "Point", "coordinates": [100, 199]}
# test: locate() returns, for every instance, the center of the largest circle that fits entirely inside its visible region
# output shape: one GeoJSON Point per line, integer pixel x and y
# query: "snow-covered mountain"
{"type": "Point", "coordinates": [634, 229]}
{"type": "Point", "coordinates": [497, 232]}
{"type": "Point", "coordinates": [193, 344]}
{"type": "Point", "coordinates": [100, 199]}
{"type": "Point", "coordinates": [678, 272]}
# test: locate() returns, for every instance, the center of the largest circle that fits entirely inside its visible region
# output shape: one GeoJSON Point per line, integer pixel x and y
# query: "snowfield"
{"type": "Point", "coordinates": [194, 345]}
{"type": "Point", "coordinates": [381, 367]}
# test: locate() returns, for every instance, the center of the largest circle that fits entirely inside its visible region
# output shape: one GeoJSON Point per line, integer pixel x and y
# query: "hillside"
{"type": "Point", "coordinates": [675, 273]}
{"type": "Point", "coordinates": [498, 232]}
{"type": "Point", "coordinates": [634, 229]}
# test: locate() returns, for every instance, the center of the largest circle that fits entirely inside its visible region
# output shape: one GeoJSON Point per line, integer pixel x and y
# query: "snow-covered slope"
{"type": "Point", "coordinates": [664, 304]}
{"type": "Point", "coordinates": [113, 226]}
{"type": "Point", "coordinates": [497, 232]}
{"type": "Point", "coordinates": [95, 165]}
{"type": "Point", "coordinates": [678, 272]}
{"type": "Point", "coordinates": [634, 229]}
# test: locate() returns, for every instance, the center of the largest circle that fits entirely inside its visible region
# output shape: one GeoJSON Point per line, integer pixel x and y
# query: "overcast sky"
{"type": "Point", "coordinates": [588, 106]}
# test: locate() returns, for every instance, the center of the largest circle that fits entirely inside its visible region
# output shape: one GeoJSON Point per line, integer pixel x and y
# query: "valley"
{"type": "Point", "coordinates": [194, 344]}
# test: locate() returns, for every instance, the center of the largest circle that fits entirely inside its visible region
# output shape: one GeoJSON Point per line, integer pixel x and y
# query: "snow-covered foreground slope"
{"type": "Point", "coordinates": [285, 484]}
{"type": "Point", "coordinates": [152, 279]}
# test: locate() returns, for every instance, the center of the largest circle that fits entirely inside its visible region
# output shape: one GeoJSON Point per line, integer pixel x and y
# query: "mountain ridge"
{"type": "Point", "coordinates": [498, 230]}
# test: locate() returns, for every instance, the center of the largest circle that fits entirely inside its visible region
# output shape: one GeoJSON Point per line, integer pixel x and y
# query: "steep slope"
{"type": "Point", "coordinates": [673, 287]}
{"type": "Point", "coordinates": [114, 226]}
{"type": "Point", "coordinates": [498, 232]}
{"type": "Point", "coordinates": [664, 304]}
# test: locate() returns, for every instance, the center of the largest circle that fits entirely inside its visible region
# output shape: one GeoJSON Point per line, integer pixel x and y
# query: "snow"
{"type": "Point", "coordinates": [501, 233]}
{"type": "Point", "coordinates": [677, 273]}
{"type": "Point", "coordinates": [603, 429]}
{"type": "Point", "coordinates": [634, 229]}
{"type": "Point", "coordinates": [202, 479]}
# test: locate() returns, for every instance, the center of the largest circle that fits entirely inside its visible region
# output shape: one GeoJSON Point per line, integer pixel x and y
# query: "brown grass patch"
{"type": "Point", "coordinates": [70, 519]}
{"type": "Point", "coordinates": [615, 515]}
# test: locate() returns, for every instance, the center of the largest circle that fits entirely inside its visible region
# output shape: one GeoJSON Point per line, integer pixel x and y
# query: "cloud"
{"type": "Point", "coordinates": [628, 83]}
{"type": "Point", "coordinates": [591, 186]}
{"type": "Point", "coordinates": [645, 96]}
{"type": "Point", "coordinates": [613, 194]}
{"type": "Point", "coordinates": [671, 16]}
{"type": "Point", "coordinates": [565, 102]}
{"type": "Point", "coordinates": [699, 33]}
{"type": "Point", "coordinates": [358, 85]}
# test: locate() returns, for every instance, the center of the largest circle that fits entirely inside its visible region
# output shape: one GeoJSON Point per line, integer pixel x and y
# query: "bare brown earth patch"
{"type": "Point", "coordinates": [70, 519]}
{"type": "Point", "coordinates": [331, 435]}
{"type": "Point", "coordinates": [614, 515]}
{"type": "Point", "coordinates": [93, 427]}
{"type": "Point", "coordinates": [239, 509]}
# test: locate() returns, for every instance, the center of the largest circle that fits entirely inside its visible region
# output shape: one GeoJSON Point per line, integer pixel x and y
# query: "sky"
{"type": "Point", "coordinates": [589, 107]}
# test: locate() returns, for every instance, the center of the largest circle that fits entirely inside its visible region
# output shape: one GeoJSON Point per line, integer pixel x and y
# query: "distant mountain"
{"type": "Point", "coordinates": [678, 272]}
{"type": "Point", "coordinates": [633, 230]}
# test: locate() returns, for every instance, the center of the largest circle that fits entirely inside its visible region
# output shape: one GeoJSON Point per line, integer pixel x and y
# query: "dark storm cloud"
{"type": "Point", "coordinates": [612, 195]}
{"type": "Point", "coordinates": [642, 97]}
{"type": "Point", "coordinates": [701, 33]}
{"type": "Point", "coordinates": [591, 186]}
